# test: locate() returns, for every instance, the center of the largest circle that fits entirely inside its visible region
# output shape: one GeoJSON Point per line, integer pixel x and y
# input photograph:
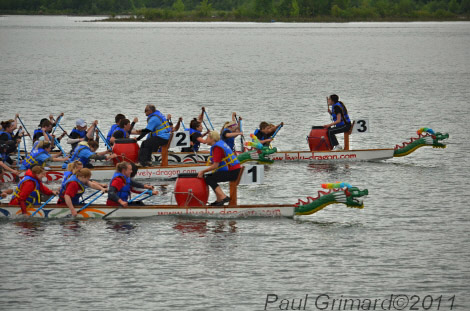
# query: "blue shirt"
{"type": "Point", "coordinates": [40, 158]}
{"type": "Point", "coordinates": [155, 122]}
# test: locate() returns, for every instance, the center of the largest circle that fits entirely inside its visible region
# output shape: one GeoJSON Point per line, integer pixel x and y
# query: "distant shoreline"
{"type": "Point", "coordinates": [194, 18]}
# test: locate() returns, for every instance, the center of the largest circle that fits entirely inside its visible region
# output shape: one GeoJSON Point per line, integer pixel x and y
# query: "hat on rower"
{"type": "Point", "coordinates": [80, 122]}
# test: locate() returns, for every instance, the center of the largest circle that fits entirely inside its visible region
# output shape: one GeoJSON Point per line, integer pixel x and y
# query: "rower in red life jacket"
{"type": "Point", "coordinates": [224, 167]}
{"type": "Point", "coordinates": [341, 122]}
{"type": "Point", "coordinates": [230, 130]}
{"type": "Point", "coordinates": [121, 185]}
{"type": "Point", "coordinates": [28, 191]}
{"type": "Point", "coordinates": [74, 187]}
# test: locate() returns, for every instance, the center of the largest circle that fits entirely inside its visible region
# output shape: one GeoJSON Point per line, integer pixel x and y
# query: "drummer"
{"type": "Point", "coordinates": [224, 167]}
{"type": "Point", "coordinates": [341, 122]}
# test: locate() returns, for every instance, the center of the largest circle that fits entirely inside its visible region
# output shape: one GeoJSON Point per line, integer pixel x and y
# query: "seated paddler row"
{"type": "Point", "coordinates": [77, 179]}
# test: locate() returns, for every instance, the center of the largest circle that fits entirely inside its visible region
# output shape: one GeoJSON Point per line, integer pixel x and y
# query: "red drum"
{"type": "Point", "coordinates": [127, 149]}
{"type": "Point", "coordinates": [318, 139]}
{"type": "Point", "coordinates": [191, 191]}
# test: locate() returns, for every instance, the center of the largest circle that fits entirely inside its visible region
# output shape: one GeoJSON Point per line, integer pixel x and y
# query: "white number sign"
{"type": "Point", "coordinates": [253, 174]}
{"type": "Point", "coordinates": [361, 126]}
{"type": "Point", "coordinates": [180, 140]}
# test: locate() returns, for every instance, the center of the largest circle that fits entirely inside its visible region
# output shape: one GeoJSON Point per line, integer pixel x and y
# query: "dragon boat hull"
{"type": "Point", "coordinates": [98, 211]}
{"type": "Point", "coordinates": [106, 172]}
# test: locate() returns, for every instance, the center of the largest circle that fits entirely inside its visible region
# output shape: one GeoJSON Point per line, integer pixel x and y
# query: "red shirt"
{"type": "Point", "coordinates": [25, 190]}
{"type": "Point", "coordinates": [71, 190]}
{"type": "Point", "coordinates": [218, 155]}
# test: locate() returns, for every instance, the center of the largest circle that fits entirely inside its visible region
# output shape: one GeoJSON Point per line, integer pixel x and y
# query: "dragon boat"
{"type": "Point", "coordinates": [191, 202]}
{"type": "Point", "coordinates": [320, 150]}
{"type": "Point", "coordinates": [127, 150]}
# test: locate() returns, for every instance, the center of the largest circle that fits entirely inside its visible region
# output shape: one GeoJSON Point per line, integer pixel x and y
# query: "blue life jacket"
{"type": "Point", "coordinates": [230, 141]}
{"type": "Point", "coordinates": [80, 133]}
{"type": "Point", "coordinates": [35, 197]}
{"type": "Point", "coordinates": [196, 143]}
{"type": "Point", "coordinates": [124, 132]}
{"type": "Point", "coordinates": [125, 191]}
{"type": "Point", "coordinates": [229, 160]}
{"type": "Point", "coordinates": [76, 198]}
{"type": "Point", "coordinates": [164, 127]}
{"type": "Point", "coordinates": [31, 160]}
{"type": "Point", "coordinates": [335, 117]}
{"type": "Point", "coordinates": [40, 131]}
{"type": "Point", "coordinates": [67, 175]}
{"type": "Point", "coordinates": [76, 156]}
{"type": "Point", "coordinates": [111, 131]}
{"type": "Point", "coordinates": [8, 134]}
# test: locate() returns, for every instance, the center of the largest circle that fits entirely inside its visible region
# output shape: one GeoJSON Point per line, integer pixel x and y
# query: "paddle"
{"type": "Point", "coordinates": [242, 137]}
{"type": "Point", "coordinates": [24, 126]}
{"type": "Point", "coordinates": [182, 123]}
{"type": "Point", "coordinates": [44, 204]}
{"type": "Point", "coordinates": [18, 159]}
{"type": "Point", "coordinates": [100, 134]}
{"type": "Point", "coordinates": [208, 119]}
{"type": "Point", "coordinates": [56, 142]}
{"type": "Point", "coordinates": [94, 193]}
{"type": "Point", "coordinates": [86, 205]}
{"type": "Point", "coordinates": [57, 123]}
{"type": "Point", "coordinates": [277, 130]}
{"type": "Point", "coordinates": [130, 201]}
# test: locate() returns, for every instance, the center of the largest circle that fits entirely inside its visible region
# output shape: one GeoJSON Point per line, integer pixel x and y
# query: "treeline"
{"type": "Point", "coordinates": [291, 10]}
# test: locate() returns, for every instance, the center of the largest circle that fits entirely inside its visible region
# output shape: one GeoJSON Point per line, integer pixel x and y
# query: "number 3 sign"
{"type": "Point", "coordinates": [361, 126]}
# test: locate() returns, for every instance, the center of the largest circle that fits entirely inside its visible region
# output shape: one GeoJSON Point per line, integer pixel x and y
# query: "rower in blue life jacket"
{"type": "Point", "coordinates": [158, 133]}
{"type": "Point", "coordinates": [86, 151]}
{"type": "Point", "coordinates": [124, 130]}
{"type": "Point", "coordinates": [341, 122]}
{"type": "Point", "coordinates": [81, 133]}
{"type": "Point", "coordinates": [40, 156]}
{"type": "Point", "coordinates": [230, 130]}
{"type": "Point", "coordinates": [265, 132]}
{"type": "Point", "coordinates": [113, 128]}
{"type": "Point", "coordinates": [8, 140]}
{"type": "Point", "coordinates": [195, 134]}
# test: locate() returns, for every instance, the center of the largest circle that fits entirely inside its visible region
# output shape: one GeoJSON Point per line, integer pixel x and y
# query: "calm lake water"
{"type": "Point", "coordinates": [412, 237]}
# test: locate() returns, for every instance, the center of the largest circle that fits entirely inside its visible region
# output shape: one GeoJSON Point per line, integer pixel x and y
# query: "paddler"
{"type": "Point", "coordinates": [8, 140]}
{"type": "Point", "coordinates": [121, 185]}
{"type": "Point", "coordinates": [86, 151]}
{"type": "Point", "coordinates": [230, 130]}
{"type": "Point", "coordinates": [265, 132]}
{"type": "Point", "coordinates": [124, 130]}
{"type": "Point", "coordinates": [196, 136]}
{"type": "Point", "coordinates": [28, 191]}
{"type": "Point", "coordinates": [341, 122]}
{"type": "Point", "coordinates": [81, 133]}
{"type": "Point", "coordinates": [40, 156]}
{"type": "Point", "coordinates": [74, 187]}
{"type": "Point", "coordinates": [158, 130]}
{"type": "Point", "coordinates": [224, 167]}
{"type": "Point", "coordinates": [117, 120]}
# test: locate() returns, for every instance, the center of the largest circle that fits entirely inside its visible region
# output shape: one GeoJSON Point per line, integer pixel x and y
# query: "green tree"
{"type": "Point", "coordinates": [294, 12]}
{"type": "Point", "coordinates": [264, 7]}
{"type": "Point", "coordinates": [178, 6]}
{"type": "Point", "coordinates": [204, 9]}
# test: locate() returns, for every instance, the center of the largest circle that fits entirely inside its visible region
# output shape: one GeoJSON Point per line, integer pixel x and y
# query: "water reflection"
{"type": "Point", "coordinates": [30, 228]}
{"type": "Point", "coordinates": [72, 227]}
{"type": "Point", "coordinates": [121, 226]}
{"type": "Point", "coordinates": [328, 167]}
{"type": "Point", "coordinates": [201, 227]}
